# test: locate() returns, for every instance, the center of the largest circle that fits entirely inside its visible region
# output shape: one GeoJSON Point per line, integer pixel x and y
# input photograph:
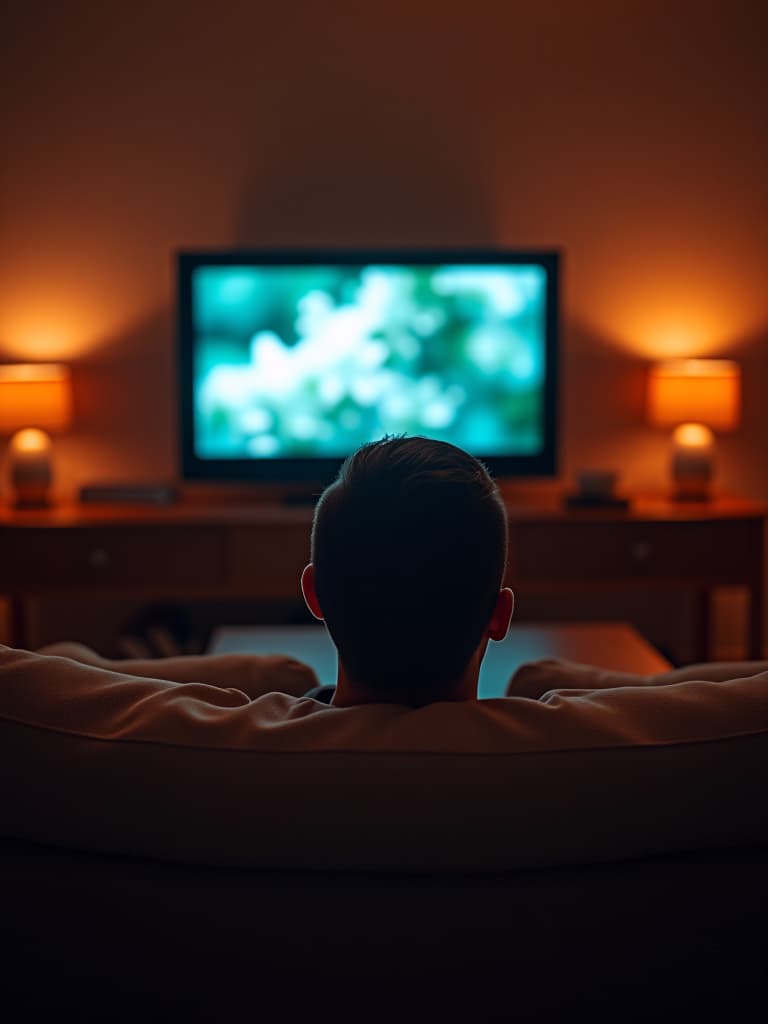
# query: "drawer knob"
{"type": "Point", "coordinates": [98, 558]}
{"type": "Point", "coordinates": [641, 551]}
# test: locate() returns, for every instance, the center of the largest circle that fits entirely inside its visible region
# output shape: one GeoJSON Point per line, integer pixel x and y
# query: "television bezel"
{"type": "Point", "coordinates": [320, 470]}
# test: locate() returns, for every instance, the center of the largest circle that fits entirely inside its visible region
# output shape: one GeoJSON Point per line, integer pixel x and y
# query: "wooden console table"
{"type": "Point", "coordinates": [199, 551]}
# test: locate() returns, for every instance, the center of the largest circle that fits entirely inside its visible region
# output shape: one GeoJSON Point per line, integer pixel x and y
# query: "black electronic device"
{"type": "Point", "coordinates": [128, 493]}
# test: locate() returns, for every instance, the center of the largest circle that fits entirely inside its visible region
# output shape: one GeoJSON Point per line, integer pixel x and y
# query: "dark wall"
{"type": "Point", "coordinates": [631, 135]}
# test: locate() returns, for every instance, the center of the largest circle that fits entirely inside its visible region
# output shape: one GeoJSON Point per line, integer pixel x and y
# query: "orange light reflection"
{"type": "Point", "coordinates": [55, 336]}
{"type": "Point", "coordinates": [656, 334]}
{"type": "Point", "coordinates": [658, 319]}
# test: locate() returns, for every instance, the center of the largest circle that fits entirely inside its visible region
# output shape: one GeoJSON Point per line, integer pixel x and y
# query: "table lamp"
{"type": "Point", "coordinates": [34, 398]}
{"type": "Point", "coordinates": [695, 396]}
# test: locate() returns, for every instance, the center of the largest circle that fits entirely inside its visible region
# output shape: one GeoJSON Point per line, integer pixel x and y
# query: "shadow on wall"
{"type": "Point", "coordinates": [125, 408]}
{"type": "Point", "coordinates": [344, 198]}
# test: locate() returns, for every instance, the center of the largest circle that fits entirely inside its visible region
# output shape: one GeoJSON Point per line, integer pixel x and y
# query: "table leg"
{"type": "Point", "coordinates": [18, 622]}
{"type": "Point", "coordinates": [702, 629]}
{"type": "Point", "coordinates": [755, 623]}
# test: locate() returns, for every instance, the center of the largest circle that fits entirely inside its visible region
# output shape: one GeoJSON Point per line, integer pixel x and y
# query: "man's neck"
{"type": "Point", "coordinates": [349, 693]}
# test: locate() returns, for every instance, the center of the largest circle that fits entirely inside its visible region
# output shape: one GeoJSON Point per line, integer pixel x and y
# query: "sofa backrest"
{"type": "Point", "coordinates": [97, 760]}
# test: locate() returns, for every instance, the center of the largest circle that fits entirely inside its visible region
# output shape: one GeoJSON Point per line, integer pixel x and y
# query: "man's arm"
{"type": "Point", "coordinates": [253, 674]}
{"type": "Point", "coordinates": [712, 671]}
{"type": "Point", "coordinates": [536, 678]}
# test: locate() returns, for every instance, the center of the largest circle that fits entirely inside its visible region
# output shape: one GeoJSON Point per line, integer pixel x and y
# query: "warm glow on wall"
{"type": "Point", "coordinates": [674, 342]}
{"type": "Point", "coordinates": [674, 335]}
{"type": "Point", "coordinates": [34, 339]}
{"type": "Point", "coordinates": [36, 332]}
{"type": "Point", "coordinates": [656, 312]}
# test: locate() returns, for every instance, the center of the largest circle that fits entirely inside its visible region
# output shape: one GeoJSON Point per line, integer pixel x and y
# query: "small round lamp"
{"type": "Point", "coordinates": [695, 397]}
{"type": "Point", "coordinates": [35, 400]}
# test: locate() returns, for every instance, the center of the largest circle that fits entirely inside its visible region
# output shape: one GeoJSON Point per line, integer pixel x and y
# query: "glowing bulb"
{"type": "Point", "coordinates": [29, 457]}
{"type": "Point", "coordinates": [692, 461]}
{"type": "Point", "coordinates": [693, 435]}
{"type": "Point", "coordinates": [31, 440]}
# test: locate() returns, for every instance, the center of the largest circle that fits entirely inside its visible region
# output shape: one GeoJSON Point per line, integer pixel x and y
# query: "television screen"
{"type": "Point", "coordinates": [291, 361]}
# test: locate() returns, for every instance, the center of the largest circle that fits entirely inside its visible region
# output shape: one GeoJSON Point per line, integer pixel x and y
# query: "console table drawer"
{"type": "Point", "coordinates": [721, 549]}
{"type": "Point", "coordinates": [269, 563]}
{"type": "Point", "coordinates": [111, 555]}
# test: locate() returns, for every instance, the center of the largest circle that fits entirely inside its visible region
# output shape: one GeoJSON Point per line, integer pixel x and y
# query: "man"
{"type": "Point", "coordinates": [409, 548]}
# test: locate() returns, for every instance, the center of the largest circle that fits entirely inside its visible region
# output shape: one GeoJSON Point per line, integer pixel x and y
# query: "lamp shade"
{"type": "Point", "coordinates": [35, 395]}
{"type": "Point", "coordinates": [704, 391]}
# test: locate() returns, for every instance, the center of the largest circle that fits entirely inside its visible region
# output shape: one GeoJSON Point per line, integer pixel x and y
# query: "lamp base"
{"type": "Point", "coordinates": [690, 494]}
{"type": "Point", "coordinates": [692, 462]}
{"type": "Point", "coordinates": [29, 457]}
{"type": "Point", "coordinates": [691, 478]}
{"type": "Point", "coordinates": [28, 500]}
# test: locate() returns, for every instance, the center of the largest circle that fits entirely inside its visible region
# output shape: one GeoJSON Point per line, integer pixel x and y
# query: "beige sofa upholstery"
{"type": "Point", "coordinates": [600, 844]}
{"type": "Point", "coordinates": [96, 759]}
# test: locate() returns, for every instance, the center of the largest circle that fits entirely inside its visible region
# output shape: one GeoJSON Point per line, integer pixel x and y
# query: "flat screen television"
{"type": "Point", "coordinates": [289, 361]}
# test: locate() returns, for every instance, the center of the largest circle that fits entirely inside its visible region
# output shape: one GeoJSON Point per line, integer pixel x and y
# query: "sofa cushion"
{"type": "Point", "coordinates": [96, 759]}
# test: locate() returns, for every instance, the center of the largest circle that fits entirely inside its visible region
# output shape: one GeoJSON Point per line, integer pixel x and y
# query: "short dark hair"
{"type": "Point", "coordinates": [409, 546]}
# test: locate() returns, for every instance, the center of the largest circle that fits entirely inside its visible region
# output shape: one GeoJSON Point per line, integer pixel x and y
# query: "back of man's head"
{"type": "Point", "coordinates": [409, 549]}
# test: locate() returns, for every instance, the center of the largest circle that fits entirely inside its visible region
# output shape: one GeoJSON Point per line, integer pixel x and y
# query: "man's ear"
{"type": "Point", "coordinates": [502, 615]}
{"type": "Point", "coordinates": [308, 590]}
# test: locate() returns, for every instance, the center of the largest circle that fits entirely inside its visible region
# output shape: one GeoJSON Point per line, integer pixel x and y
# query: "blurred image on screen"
{"type": "Point", "coordinates": [312, 361]}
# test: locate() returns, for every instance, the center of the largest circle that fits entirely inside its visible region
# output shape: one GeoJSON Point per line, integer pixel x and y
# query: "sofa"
{"type": "Point", "coordinates": [215, 845]}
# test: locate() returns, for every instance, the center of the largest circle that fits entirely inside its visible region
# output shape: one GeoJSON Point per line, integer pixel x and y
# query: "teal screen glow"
{"type": "Point", "coordinates": [312, 361]}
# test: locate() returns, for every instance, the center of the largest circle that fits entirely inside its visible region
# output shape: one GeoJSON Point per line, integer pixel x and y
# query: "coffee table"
{"type": "Point", "coordinates": [612, 645]}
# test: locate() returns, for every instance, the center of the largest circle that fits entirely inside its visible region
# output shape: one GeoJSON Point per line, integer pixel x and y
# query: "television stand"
{"type": "Point", "coordinates": [256, 552]}
{"type": "Point", "coordinates": [301, 497]}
